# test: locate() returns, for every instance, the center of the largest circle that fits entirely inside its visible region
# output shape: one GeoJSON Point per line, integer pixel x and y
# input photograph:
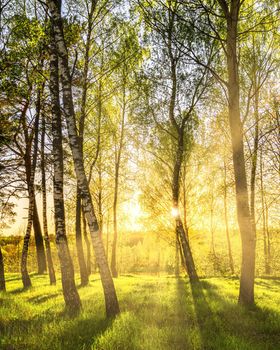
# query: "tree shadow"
{"type": "Point", "coordinates": [18, 290]}
{"type": "Point", "coordinates": [68, 332]}
{"type": "Point", "coordinates": [264, 282]}
{"type": "Point", "coordinates": [13, 278]}
{"type": "Point", "coordinates": [41, 278]}
{"type": "Point", "coordinates": [38, 299]}
{"type": "Point", "coordinates": [270, 278]}
{"type": "Point", "coordinates": [185, 316]}
{"type": "Point", "coordinates": [207, 321]}
{"type": "Point", "coordinates": [17, 276]}
{"type": "Point", "coordinates": [233, 326]}
{"type": "Point", "coordinates": [82, 333]}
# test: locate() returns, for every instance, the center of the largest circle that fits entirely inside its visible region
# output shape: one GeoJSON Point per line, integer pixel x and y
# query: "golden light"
{"type": "Point", "coordinates": [175, 212]}
{"type": "Point", "coordinates": [134, 214]}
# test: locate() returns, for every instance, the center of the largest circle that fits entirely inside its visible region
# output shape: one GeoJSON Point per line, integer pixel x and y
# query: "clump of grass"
{"type": "Point", "coordinates": [158, 313]}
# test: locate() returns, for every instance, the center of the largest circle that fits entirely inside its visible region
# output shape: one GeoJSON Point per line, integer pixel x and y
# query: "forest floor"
{"type": "Point", "coordinates": [157, 313]}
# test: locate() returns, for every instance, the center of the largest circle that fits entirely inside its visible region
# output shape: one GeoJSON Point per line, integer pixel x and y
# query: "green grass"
{"type": "Point", "coordinates": [157, 313]}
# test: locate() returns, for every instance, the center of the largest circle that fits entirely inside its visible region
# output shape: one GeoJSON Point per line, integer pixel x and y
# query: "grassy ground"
{"type": "Point", "coordinates": [157, 313]}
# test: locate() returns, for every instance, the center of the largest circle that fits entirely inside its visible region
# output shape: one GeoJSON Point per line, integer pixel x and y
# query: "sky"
{"type": "Point", "coordinates": [19, 225]}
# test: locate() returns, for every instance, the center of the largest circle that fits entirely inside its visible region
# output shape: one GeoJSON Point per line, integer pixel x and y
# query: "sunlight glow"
{"type": "Point", "coordinates": [175, 212]}
{"type": "Point", "coordinates": [134, 213]}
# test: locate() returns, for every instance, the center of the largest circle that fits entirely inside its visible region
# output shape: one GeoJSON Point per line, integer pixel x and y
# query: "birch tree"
{"type": "Point", "coordinates": [111, 301]}
{"type": "Point", "coordinates": [70, 293]}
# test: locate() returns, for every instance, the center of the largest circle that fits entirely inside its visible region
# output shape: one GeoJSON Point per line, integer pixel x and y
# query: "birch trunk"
{"type": "Point", "coordinates": [118, 154]}
{"type": "Point", "coordinates": [212, 230]}
{"type": "Point", "coordinates": [179, 129]}
{"type": "Point", "coordinates": [85, 270]}
{"type": "Point", "coordinates": [231, 265]}
{"type": "Point", "coordinates": [180, 231]}
{"type": "Point", "coordinates": [266, 241]}
{"type": "Point", "coordinates": [79, 242]}
{"type": "Point", "coordinates": [185, 200]}
{"type": "Point", "coordinates": [111, 301]}
{"type": "Point", "coordinates": [40, 252]}
{"type": "Point", "coordinates": [71, 296]}
{"type": "Point", "coordinates": [255, 147]}
{"type": "Point", "coordinates": [2, 273]}
{"type": "Point", "coordinates": [30, 175]}
{"type": "Point", "coordinates": [44, 204]}
{"type": "Point", "coordinates": [39, 242]}
{"type": "Point", "coordinates": [107, 234]}
{"type": "Point", "coordinates": [268, 260]}
{"type": "Point", "coordinates": [87, 243]}
{"type": "Point", "coordinates": [177, 263]}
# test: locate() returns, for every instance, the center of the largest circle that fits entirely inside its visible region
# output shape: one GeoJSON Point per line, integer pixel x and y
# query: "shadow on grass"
{"type": "Point", "coordinates": [76, 334]}
{"type": "Point", "coordinates": [226, 325]}
{"type": "Point", "coordinates": [266, 283]}
{"type": "Point", "coordinates": [82, 333]}
{"type": "Point", "coordinates": [89, 284]}
{"type": "Point", "coordinates": [52, 330]}
{"type": "Point", "coordinates": [17, 276]}
{"type": "Point", "coordinates": [184, 317]}
{"type": "Point", "coordinates": [19, 290]}
{"type": "Point", "coordinates": [211, 330]}
{"type": "Point", "coordinates": [270, 278]}
{"type": "Point", "coordinates": [13, 278]}
{"type": "Point", "coordinates": [42, 298]}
